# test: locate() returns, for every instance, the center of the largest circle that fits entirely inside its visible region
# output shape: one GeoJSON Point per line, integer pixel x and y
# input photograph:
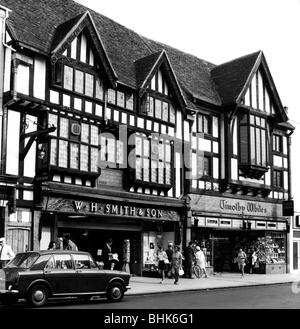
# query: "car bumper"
{"type": "Point", "coordinates": [8, 292]}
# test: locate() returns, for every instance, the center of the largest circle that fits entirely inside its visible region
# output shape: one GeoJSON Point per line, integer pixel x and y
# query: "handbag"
{"type": "Point", "coordinates": [181, 271]}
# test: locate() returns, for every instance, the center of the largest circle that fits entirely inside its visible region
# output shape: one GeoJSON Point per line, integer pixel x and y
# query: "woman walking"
{"type": "Point", "coordinates": [176, 263]}
{"type": "Point", "coordinates": [241, 259]}
{"type": "Point", "coordinates": [162, 258]}
{"type": "Point", "coordinates": [200, 259]}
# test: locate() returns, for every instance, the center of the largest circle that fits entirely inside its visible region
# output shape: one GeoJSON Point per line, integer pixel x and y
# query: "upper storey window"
{"type": "Point", "coordinates": [120, 98]}
{"type": "Point", "coordinates": [78, 80]}
{"type": "Point", "coordinates": [159, 84]}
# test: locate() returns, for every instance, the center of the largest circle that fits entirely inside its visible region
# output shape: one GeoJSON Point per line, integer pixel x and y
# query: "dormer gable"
{"type": "Point", "coordinates": [65, 42]}
{"type": "Point", "coordinates": [260, 93]}
{"type": "Point", "coordinates": [155, 73]}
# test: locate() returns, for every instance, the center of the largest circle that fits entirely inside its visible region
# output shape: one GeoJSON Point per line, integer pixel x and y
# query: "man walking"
{"type": "Point", "coordinates": [189, 258]}
{"type": "Point", "coordinates": [6, 253]}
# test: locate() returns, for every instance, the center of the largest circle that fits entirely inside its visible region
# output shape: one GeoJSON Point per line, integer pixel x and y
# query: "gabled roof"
{"type": "Point", "coordinates": [35, 23]}
{"type": "Point", "coordinates": [233, 79]}
{"type": "Point", "coordinates": [69, 30]}
{"type": "Point", "coordinates": [147, 67]}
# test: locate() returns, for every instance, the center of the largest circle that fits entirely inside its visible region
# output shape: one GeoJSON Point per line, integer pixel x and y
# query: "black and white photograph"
{"type": "Point", "coordinates": [149, 156]}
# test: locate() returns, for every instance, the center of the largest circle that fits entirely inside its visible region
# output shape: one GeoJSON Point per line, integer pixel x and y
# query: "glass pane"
{"type": "Point", "coordinates": [85, 132]}
{"type": "Point", "coordinates": [151, 106]}
{"type": "Point", "coordinates": [74, 156]}
{"type": "Point", "coordinates": [252, 145]}
{"type": "Point", "coordinates": [53, 152]}
{"type": "Point", "coordinates": [64, 128]}
{"type": "Point", "coordinates": [94, 135]}
{"type": "Point", "coordinates": [68, 77]}
{"type": "Point", "coordinates": [263, 148]}
{"type": "Point", "coordinates": [63, 154]}
{"type": "Point", "coordinates": [111, 96]}
{"type": "Point", "coordinates": [84, 157]}
{"type": "Point", "coordinates": [79, 81]}
{"type": "Point", "coordinates": [94, 159]}
{"type": "Point", "coordinates": [168, 173]}
{"type": "Point", "coordinates": [120, 99]}
{"type": "Point", "coordinates": [89, 85]}
{"type": "Point", "coordinates": [138, 171]}
{"type": "Point", "coordinates": [103, 150]}
{"type": "Point", "coordinates": [252, 119]}
{"type": "Point", "coordinates": [120, 152]}
{"type": "Point", "coordinates": [129, 101]}
{"type": "Point", "coordinates": [154, 149]}
{"type": "Point", "coordinates": [154, 166]}
{"type": "Point", "coordinates": [161, 151]}
{"type": "Point", "coordinates": [111, 147]}
{"type": "Point", "coordinates": [52, 121]}
{"type": "Point", "coordinates": [146, 170]}
{"type": "Point", "coordinates": [161, 173]}
{"type": "Point", "coordinates": [146, 148]}
{"type": "Point", "coordinates": [158, 109]}
{"type": "Point", "coordinates": [99, 89]}
{"type": "Point", "coordinates": [168, 152]}
{"type": "Point", "coordinates": [172, 114]}
{"type": "Point", "coordinates": [165, 115]}
{"type": "Point", "coordinates": [138, 146]}
{"type": "Point", "coordinates": [258, 147]}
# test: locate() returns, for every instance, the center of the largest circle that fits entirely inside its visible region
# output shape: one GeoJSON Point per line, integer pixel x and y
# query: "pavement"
{"type": "Point", "coordinates": [150, 285]}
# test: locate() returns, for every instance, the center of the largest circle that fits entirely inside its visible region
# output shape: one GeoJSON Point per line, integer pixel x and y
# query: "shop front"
{"type": "Point", "coordinates": [91, 223]}
{"type": "Point", "coordinates": [222, 226]}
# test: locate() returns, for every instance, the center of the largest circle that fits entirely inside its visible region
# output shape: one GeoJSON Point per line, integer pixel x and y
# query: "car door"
{"type": "Point", "coordinates": [90, 279]}
{"type": "Point", "coordinates": [61, 275]}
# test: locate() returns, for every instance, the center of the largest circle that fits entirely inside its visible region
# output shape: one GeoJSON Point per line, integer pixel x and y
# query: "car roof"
{"type": "Point", "coordinates": [56, 251]}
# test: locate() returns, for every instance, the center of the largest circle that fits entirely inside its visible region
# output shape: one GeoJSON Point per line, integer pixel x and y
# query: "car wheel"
{"type": "Point", "coordinates": [115, 292]}
{"type": "Point", "coordinates": [38, 295]}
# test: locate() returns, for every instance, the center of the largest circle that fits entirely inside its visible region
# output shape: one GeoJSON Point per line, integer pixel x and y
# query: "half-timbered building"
{"type": "Point", "coordinates": [106, 133]}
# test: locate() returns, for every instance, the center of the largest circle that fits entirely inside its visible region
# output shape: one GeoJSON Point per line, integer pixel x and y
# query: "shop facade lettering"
{"type": "Point", "coordinates": [119, 210]}
{"type": "Point", "coordinates": [249, 207]}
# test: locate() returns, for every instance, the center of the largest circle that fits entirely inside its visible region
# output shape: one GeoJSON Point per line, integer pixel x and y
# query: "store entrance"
{"type": "Point", "coordinates": [93, 240]}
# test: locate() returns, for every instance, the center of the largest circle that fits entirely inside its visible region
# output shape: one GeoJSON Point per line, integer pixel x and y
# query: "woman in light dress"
{"type": "Point", "coordinates": [200, 259]}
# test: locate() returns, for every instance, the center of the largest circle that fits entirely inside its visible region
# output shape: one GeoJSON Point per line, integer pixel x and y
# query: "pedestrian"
{"type": "Point", "coordinates": [59, 243]}
{"type": "Point", "coordinates": [176, 263]}
{"type": "Point", "coordinates": [241, 259]}
{"type": "Point", "coordinates": [107, 254]}
{"type": "Point", "coordinates": [52, 245]}
{"type": "Point", "coordinates": [189, 259]}
{"type": "Point", "coordinates": [69, 244]}
{"type": "Point", "coordinates": [200, 260]}
{"type": "Point", "coordinates": [169, 253]}
{"type": "Point", "coordinates": [6, 253]}
{"type": "Point", "coordinates": [162, 258]}
{"type": "Point", "coordinates": [253, 260]}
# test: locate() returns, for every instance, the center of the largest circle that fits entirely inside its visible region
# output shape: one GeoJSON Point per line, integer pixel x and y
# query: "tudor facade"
{"type": "Point", "coordinates": [86, 153]}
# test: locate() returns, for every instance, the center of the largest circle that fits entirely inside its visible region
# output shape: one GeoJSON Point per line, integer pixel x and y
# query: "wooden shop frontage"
{"type": "Point", "coordinates": [91, 216]}
{"type": "Point", "coordinates": [223, 225]}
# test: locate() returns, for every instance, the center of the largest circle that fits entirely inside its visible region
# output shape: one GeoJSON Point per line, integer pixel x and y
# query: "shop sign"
{"type": "Point", "coordinates": [210, 204]}
{"type": "Point", "coordinates": [110, 209]}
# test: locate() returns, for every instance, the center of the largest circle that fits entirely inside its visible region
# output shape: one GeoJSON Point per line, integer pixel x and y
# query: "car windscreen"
{"type": "Point", "coordinates": [23, 260]}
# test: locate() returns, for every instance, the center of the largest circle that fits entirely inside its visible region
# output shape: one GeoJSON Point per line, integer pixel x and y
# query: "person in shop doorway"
{"type": "Point", "coordinates": [162, 258]}
{"type": "Point", "coordinates": [59, 243]}
{"type": "Point", "coordinates": [176, 263]}
{"type": "Point", "coordinates": [69, 244]}
{"type": "Point", "coordinates": [189, 258]}
{"type": "Point", "coordinates": [6, 253]}
{"type": "Point", "coordinates": [107, 253]}
{"type": "Point", "coordinates": [51, 245]}
{"type": "Point", "coordinates": [241, 259]}
{"type": "Point", "coordinates": [201, 261]}
{"type": "Point", "coordinates": [253, 261]}
{"type": "Point", "coordinates": [169, 253]}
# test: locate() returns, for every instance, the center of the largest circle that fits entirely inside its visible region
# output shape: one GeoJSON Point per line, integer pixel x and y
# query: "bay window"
{"type": "Point", "coordinates": [253, 147]}
{"type": "Point", "coordinates": [153, 161]}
